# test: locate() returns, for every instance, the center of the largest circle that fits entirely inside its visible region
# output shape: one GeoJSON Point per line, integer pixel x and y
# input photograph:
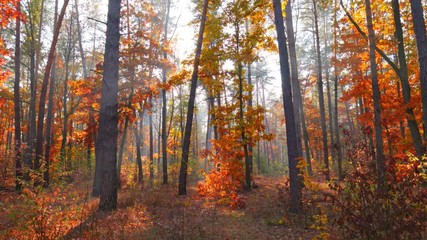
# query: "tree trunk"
{"type": "Point", "coordinates": [291, 135]}
{"type": "Point", "coordinates": [122, 148]}
{"type": "Point", "coordinates": [50, 113]}
{"type": "Point", "coordinates": [108, 115]}
{"type": "Point", "coordinates": [91, 124]}
{"type": "Point", "coordinates": [164, 109]}
{"type": "Point", "coordinates": [328, 96]}
{"type": "Point", "coordinates": [421, 39]}
{"type": "Point", "coordinates": [150, 120]}
{"type": "Point", "coordinates": [337, 144]}
{"type": "Point", "coordinates": [17, 102]}
{"type": "Point", "coordinates": [250, 106]}
{"type": "Point", "coordinates": [320, 91]}
{"type": "Point", "coordinates": [138, 137]}
{"type": "Point", "coordinates": [247, 185]}
{"type": "Point", "coordinates": [376, 95]}
{"type": "Point", "coordinates": [406, 89]}
{"type": "Point", "coordinates": [40, 117]}
{"type": "Point", "coordinates": [188, 125]}
{"type": "Point", "coordinates": [296, 89]}
{"type": "Point", "coordinates": [67, 56]}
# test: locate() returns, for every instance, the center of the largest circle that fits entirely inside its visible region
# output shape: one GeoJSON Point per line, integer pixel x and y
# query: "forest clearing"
{"type": "Point", "coordinates": [213, 119]}
{"type": "Point", "coordinates": [154, 213]}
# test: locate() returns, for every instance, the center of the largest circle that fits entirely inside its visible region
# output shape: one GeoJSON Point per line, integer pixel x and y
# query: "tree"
{"type": "Point", "coordinates": [188, 126]}
{"type": "Point", "coordinates": [164, 100]}
{"type": "Point", "coordinates": [108, 115]}
{"type": "Point", "coordinates": [17, 101]}
{"type": "Point", "coordinates": [320, 91]}
{"type": "Point", "coordinates": [40, 118]}
{"type": "Point", "coordinates": [296, 89]}
{"type": "Point", "coordinates": [376, 95]}
{"type": "Point", "coordinates": [291, 136]}
{"type": "Point", "coordinates": [406, 89]}
{"type": "Point", "coordinates": [421, 39]}
{"type": "Point", "coordinates": [49, 118]}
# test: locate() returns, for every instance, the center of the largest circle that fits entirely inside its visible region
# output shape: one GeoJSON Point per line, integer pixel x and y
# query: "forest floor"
{"type": "Point", "coordinates": [155, 212]}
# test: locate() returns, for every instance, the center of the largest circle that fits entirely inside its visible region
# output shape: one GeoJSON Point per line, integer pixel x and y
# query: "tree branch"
{"type": "Point", "coordinates": [379, 51]}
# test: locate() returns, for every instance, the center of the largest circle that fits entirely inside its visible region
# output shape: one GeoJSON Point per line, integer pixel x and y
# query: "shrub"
{"type": "Point", "coordinates": [399, 211]}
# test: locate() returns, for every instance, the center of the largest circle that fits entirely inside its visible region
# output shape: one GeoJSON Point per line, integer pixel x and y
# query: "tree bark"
{"type": "Point", "coordinates": [40, 117]}
{"type": "Point", "coordinates": [188, 125]}
{"type": "Point", "coordinates": [164, 106]}
{"type": "Point", "coordinates": [17, 102]}
{"type": "Point", "coordinates": [406, 88]}
{"type": "Point", "coordinates": [291, 135]}
{"type": "Point", "coordinates": [421, 39]}
{"type": "Point", "coordinates": [321, 98]}
{"type": "Point", "coordinates": [50, 113]}
{"type": "Point", "coordinates": [296, 88]}
{"type": "Point", "coordinates": [108, 115]}
{"type": "Point", "coordinates": [376, 95]}
{"type": "Point", "coordinates": [337, 144]}
{"type": "Point", "coordinates": [138, 137]}
{"type": "Point", "coordinates": [151, 151]}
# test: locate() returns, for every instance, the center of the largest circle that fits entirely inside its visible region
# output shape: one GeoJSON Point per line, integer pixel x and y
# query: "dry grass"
{"type": "Point", "coordinates": [159, 213]}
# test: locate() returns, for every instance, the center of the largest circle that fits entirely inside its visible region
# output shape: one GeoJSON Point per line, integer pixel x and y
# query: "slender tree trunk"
{"type": "Point", "coordinates": [296, 89]}
{"type": "Point", "coordinates": [138, 136]}
{"type": "Point", "coordinates": [421, 39]}
{"type": "Point", "coordinates": [91, 125]}
{"type": "Point", "coordinates": [320, 91]}
{"type": "Point", "coordinates": [17, 102]}
{"type": "Point", "coordinates": [328, 94]}
{"type": "Point", "coordinates": [376, 96]}
{"type": "Point", "coordinates": [108, 115]}
{"type": "Point", "coordinates": [406, 89]}
{"type": "Point", "coordinates": [247, 185]}
{"type": "Point", "coordinates": [33, 85]}
{"type": "Point", "coordinates": [164, 107]}
{"type": "Point", "coordinates": [250, 105]}
{"type": "Point", "coordinates": [122, 148]}
{"type": "Point", "coordinates": [50, 113]}
{"type": "Point", "coordinates": [291, 135]}
{"type": "Point", "coordinates": [336, 125]}
{"type": "Point", "coordinates": [187, 135]}
{"type": "Point", "coordinates": [66, 114]}
{"type": "Point", "coordinates": [40, 120]}
{"type": "Point", "coordinates": [150, 120]}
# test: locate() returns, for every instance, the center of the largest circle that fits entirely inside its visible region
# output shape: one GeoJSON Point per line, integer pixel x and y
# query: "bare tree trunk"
{"type": "Point", "coordinates": [337, 144]}
{"type": "Point", "coordinates": [328, 94]}
{"type": "Point", "coordinates": [241, 123]}
{"type": "Point", "coordinates": [187, 136]}
{"type": "Point", "coordinates": [421, 39]}
{"type": "Point", "coordinates": [138, 137]}
{"type": "Point", "coordinates": [164, 107]}
{"type": "Point", "coordinates": [150, 122]}
{"type": "Point", "coordinates": [376, 95]}
{"type": "Point", "coordinates": [17, 102]}
{"type": "Point", "coordinates": [66, 113]}
{"type": "Point", "coordinates": [122, 148]}
{"type": "Point", "coordinates": [320, 90]}
{"type": "Point", "coordinates": [91, 124]}
{"type": "Point", "coordinates": [108, 115]}
{"type": "Point", "coordinates": [40, 117]}
{"type": "Point", "coordinates": [291, 135]}
{"type": "Point", "coordinates": [296, 89]}
{"type": "Point", "coordinates": [406, 89]}
{"type": "Point", "coordinates": [50, 113]}
{"type": "Point", "coordinates": [250, 105]}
